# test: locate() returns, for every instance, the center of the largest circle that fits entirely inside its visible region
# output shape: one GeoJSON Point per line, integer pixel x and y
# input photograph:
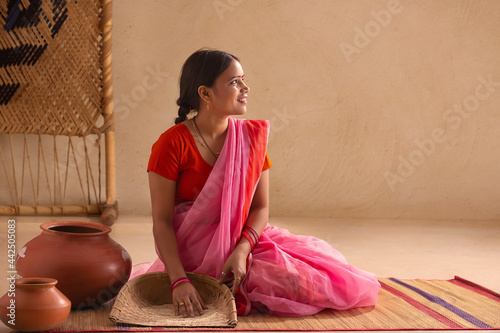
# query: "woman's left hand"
{"type": "Point", "coordinates": [236, 263]}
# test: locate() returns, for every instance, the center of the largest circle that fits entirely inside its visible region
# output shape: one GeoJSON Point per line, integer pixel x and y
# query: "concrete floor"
{"type": "Point", "coordinates": [390, 248]}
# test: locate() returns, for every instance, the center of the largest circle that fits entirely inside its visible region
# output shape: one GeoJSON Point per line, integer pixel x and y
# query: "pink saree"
{"type": "Point", "coordinates": [287, 274]}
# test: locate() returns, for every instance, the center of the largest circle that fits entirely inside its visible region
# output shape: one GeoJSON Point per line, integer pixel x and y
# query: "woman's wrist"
{"type": "Point", "coordinates": [251, 236]}
{"type": "Point", "coordinates": [244, 247]}
{"type": "Point", "coordinates": [178, 282]}
{"type": "Point", "coordinates": [175, 271]}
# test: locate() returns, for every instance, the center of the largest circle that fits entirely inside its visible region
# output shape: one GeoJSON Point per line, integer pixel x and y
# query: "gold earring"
{"type": "Point", "coordinates": [208, 107]}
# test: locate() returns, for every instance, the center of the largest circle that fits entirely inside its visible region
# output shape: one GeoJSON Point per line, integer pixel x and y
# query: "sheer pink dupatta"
{"type": "Point", "coordinates": [209, 228]}
{"type": "Point", "coordinates": [288, 274]}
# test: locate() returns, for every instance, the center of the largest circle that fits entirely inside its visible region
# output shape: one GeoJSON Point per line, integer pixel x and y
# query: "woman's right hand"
{"type": "Point", "coordinates": [185, 298]}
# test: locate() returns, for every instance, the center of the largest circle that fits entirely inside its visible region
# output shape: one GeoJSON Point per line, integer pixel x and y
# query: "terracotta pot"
{"type": "Point", "coordinates": [90, 266]}
{"type": "Point", "coordinates": [34, 304]}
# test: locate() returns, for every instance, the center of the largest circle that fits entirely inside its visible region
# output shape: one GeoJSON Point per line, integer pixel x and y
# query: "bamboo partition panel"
{"type": "Point", "coordinates": [56, 109]}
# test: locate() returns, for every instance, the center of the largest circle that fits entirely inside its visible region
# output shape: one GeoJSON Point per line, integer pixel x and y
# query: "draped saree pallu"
{"type": "Point", "coordinates": [287, 274]}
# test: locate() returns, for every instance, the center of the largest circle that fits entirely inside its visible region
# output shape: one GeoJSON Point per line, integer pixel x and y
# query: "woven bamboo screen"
{"type": "Point", "coordinates": [56, 109]}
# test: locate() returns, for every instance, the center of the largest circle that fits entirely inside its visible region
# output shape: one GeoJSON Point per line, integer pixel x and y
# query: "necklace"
{"type": "Point", "coordinates": [204, 143]}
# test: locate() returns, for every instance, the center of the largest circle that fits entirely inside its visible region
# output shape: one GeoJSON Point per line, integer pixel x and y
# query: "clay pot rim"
{"type": "Point", "coordinates": [35, 282]}
{"type": "Point", "coordinates": [46, 227]}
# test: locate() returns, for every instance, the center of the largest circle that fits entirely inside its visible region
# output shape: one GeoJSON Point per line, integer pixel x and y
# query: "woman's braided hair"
{"type": "Point", "coordinates": [200, 69]}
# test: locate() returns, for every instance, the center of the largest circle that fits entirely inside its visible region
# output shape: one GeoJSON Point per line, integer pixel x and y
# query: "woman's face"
{"type": "Point", "coordinates": [229, 92]}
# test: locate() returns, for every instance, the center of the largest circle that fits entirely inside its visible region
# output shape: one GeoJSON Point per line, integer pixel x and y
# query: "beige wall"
{"type": "Point", "coordinates": [379, 108]}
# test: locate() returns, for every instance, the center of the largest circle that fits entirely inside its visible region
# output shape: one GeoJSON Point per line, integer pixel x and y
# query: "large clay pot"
{"type": "Point", "coordinates": [90, 266]}
{"type": "Point", "coordinates": [34, 304]}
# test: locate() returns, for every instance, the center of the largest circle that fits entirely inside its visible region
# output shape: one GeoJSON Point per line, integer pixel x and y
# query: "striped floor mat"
{"type": "Point", "coordinates": [403, 305]}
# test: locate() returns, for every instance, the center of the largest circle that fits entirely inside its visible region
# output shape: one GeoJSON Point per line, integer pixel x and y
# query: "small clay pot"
{"type": "Point", "coordinates": [34, 304]}
{"type": "Point", "coordinates": [90, 266]}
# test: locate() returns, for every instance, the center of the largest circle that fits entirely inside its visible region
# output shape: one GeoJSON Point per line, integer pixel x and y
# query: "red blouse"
{"type": "Point", "coordinates": [175, 156]}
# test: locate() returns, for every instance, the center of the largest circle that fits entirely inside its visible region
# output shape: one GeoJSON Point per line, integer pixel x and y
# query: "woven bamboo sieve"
{"type": "Point", "coordinates": [56, 81]}
{"type": "Point", "coordinates": [146, 300]}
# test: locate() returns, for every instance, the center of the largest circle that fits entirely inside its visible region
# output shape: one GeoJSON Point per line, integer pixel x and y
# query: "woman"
{"type": "Point", "coordinates": [209, 184]}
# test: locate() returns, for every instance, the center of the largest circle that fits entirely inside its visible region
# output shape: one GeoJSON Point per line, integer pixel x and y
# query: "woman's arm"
{"type": "Point", "coordinates": [162, 201]}
{"type": "Point", "coordinates": [258, 218]}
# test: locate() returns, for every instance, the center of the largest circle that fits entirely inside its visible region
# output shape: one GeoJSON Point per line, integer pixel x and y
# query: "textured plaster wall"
{"type": "Point", "coordinates": [379, 108]}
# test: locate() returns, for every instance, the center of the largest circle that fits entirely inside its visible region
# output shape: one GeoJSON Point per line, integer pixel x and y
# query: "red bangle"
{"type": "Point", "coordinates": [253, 232]}
{"type": "Point", "coordinates": [251, 235]}
{"type": "Point", "coordinates": [249, 238]}
{"type": "Point", "coordinates": [178, 282]}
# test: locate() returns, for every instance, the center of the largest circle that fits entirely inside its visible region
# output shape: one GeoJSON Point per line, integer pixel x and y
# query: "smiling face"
{"type": "Point", "coordinates": [228, 96]}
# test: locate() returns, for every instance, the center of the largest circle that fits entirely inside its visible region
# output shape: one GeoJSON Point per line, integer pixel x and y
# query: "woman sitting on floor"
{"type": "Point", "coordinates": [209, 183]}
